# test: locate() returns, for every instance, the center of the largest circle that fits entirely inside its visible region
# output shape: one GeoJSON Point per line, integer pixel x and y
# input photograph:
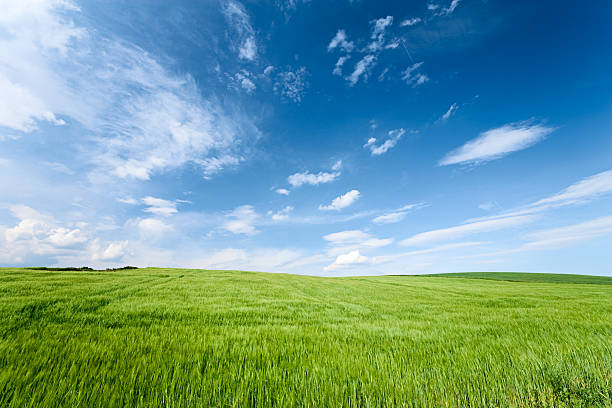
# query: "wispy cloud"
{"type": "Point", "coordinates": [397, 215]}
{"type": "Point", "coordinates": [394, 137]}
{"type": "Point", "coordinates": [243, 33]}
{"type": "Point", "coordinates": [497, 143]}
{"type": "Point", "coordinates": [413, 77]}
{"type": "Point", "coordinates": [361, 69]}
{"type": "Point", "coordinates": [450, 112]}
{"type": "Point", "coordinates": [242, 221]}
{"type": "Point", "coordinates": [338, 67]}
{"type": "Point", "coordinates": [459, 231]}
{"type": "Point", "coordinates": [342, 201]}
{"type": "Point", "coordinates": [159, 206]}
{"type": "Point", "coordinates": [378, 33]}
{"type": "Point", "coordinates": [282, 191]}
{"type": "Point", "coordinates": [281, 214]}
{"type": "Point", "coordinates": [567, 235]}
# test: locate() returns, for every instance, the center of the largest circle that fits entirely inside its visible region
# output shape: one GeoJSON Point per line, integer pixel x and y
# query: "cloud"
{"type": "Point", "coordinates": [159, 206]}
{"type": "Point", "coordinates": [292, 84]}
{"type": "Point", "coordinates": [338, 67]}
{"type": "Point", "coordinates": [582, 191]}
{"type": "Point", "coordinates": [340, 40]}
{"type": "Point", "coordinates": [242, 220]}
{"type": "Point", "coordinates": [446, 234]}
{"type": "Point", "coordinates": [378, 33]}
{"type": "Point", "coordinates": [361, 68]}
{"type": "Point", "coordinates": [213, 165]}
{"type": "Point", "coordinates": [564, 236]}
{"type": "Point", "coordinates": [488, 206]}
{"type": "Point", "coordinates": [348, 259]}
{"type": "Point", "coordinates": [63, 237]}
{"type": "Point", "coordinates": [450, 112]}
{"type": "Point", "coordinates": [281, 214]}
{"type": "Point", "coordinates": [497, 143]}
{"type": "Point", "coordinates": [412, 77]}
{"type": "Point", "coordinates": [127, 200]}
{"type": "Point", "coordinates": [410, 22]}
{"type": "Point", "coordinates": [243, 79]}
{"type": "Point", "coordinates": [244, 36]}
{"type": "Point", "coordinates": [394, 137]}
{"type": "Point", "coordinates": [342, 201]}
{"type": "Point", "coordinates": [447, 11]}
{"type": "Point", "coordinates": [299, 179]}
{"type": "Point", "coordinates": [347, 237]}
{"type": "Point", "coordinates": [153, 228]}
{"type": "Point", "coordinates": [282, 191]}
{"type": "Point", "coordinates": [141, 119]}
{"type": "Point", "coordinates": [107, 252]}
{"type": "Point", "coordinates": [396, 215]}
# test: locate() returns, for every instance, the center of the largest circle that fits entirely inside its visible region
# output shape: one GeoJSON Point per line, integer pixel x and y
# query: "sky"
{"type": "Point", "coordinates": [304, 136]}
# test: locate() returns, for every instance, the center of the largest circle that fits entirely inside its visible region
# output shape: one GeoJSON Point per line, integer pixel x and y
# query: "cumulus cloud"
{"type": "Point", "coordinates": [349, 259]}
{"type": "Point", "coordinates": [497, 143]}
{"type": "Point", "coordinates": [107, 252]}
{"type": "Point", "coordinates": [242, 221]}
{"type": "Point", "coordinates": [342, 201]}
{"type": "Point", "coordinates": [306, 177]}
{"type": "Point", "coordinates": [340, 40]}
{"type": "Point", "coordinates": [393, 137]}
{"type": "Point", "coordinates": [153, 228]}
{"type": "Point", "coordinates": [378, 33]}
{"type": "Point", "coordinates": [292, 84]}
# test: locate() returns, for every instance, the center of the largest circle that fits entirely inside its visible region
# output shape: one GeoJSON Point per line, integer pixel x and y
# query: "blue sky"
{"type": "Point", "coordinates": [344, 138]}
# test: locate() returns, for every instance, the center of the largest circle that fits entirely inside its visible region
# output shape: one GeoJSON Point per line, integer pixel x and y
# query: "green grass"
{"type": "Point", "coordinates": [530, 277]}
{"type": "Point", "coordinates": [188, 338]}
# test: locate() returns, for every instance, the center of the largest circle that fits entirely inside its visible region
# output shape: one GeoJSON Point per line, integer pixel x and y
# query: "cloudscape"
{"type": "Point", "coordinates": [326, 138]}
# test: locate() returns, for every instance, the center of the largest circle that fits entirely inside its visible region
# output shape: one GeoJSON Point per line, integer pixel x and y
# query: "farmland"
{"type": "Point", "coordinates": [182, 338]}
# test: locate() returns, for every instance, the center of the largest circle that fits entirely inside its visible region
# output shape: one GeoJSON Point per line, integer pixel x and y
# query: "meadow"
{"type": "Point", "coordinates": [194, 338]}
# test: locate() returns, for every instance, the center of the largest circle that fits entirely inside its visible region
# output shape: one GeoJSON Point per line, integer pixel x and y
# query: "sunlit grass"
{"type": "Point", "coordinates": [187, 338]}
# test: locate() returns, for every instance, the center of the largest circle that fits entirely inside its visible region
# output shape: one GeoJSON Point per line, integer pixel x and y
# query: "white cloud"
{"type": "Point", "coordinates": [59, 167]}
{"type": "Point", "coordinates": [281, 214]}
{"type": "Point", "coordinates": [412, 77]}
{"type": "Point", "coordinates": [299, 179]}
{"type": "Point", "coordinates": [347, 237]}
{"type": "Point", "coordinates": [347, 260]}
{"type": "Point", "coordinates": [292, 84]}
{"type": "Point", "coordinates": [141, 118]}
{"type": "Point", "coordinates": [564, 236]}
{"type": "Point", "coordinates": [499, 142]}
{"type": "Point", "coordinates": [63, 237]}
{"type": "Point", "coordinates": [488, 206]}
{"type": "Point", "coordinates": [410, 22]}
{"type": "Point", "coordinates": [396, 215]}
{"type": "Point", "coordinates": [342, 201]}
{"type": "Point", "coordinates": [469, 228]}
{"type": "Point", "coordinates": [282, 191]}
{"type": "Point", "coordinates": [107, 252]}
{"type": "Point", "coordinates": [394, 137]}
{"type": "Point", "coordinates": [584, 190]}
{"type": "Point", "coordinates": [244, 81]}
{"type": "Point", "coordinates": [152, 228]}
{"type": "Point", "coordinates": [338, 67]}
{"type": "Point", "coordinates": [340, 40]}
{"type": "Point", "coordinates": [244, 35]}
{"type": "Point", "coordinates": [242, 220]}
{"type": "Point", "coordinates": [378, 33]}
{"type": "Point", "coordinates": [446, 11]}
{"type": "Point", "coordinates": [248, 50]}
{"type": "Point", "coordinates": [213, 165]}
{"type": "Point", "coordinates": [128, 200]}
{"type": "Point", "coordinates": [450, 112]}
{"type": "Point", "coordinates": [159, 206]}
{"type": "Point", "coordinates": [361, 68]}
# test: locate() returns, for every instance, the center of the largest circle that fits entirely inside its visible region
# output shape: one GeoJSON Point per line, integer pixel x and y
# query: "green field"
{"type": "Point", "coordinates": [194, 338]}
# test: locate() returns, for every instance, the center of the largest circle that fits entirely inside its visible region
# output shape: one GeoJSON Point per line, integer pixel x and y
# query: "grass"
{"type": "Point", "coordinates": [530, 277]}
{"type": "Point", "coordinates": [191, 338]}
